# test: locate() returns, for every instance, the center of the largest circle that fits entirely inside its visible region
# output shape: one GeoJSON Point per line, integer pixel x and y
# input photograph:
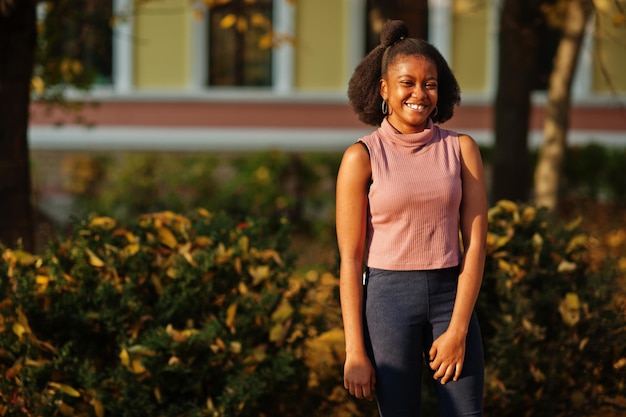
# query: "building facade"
{"type": "Point", "coordinates": [186, 78]}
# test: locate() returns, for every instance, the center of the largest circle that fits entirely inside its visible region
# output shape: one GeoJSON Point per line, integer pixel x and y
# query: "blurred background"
{"type": "Point", "coordinates": [129, 88]}
{"type": "Point", "coordinates": [128, 128]}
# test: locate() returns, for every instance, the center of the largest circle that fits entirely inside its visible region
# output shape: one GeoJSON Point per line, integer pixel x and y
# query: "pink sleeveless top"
{"type": "Point", "coordinates": [414, 199]}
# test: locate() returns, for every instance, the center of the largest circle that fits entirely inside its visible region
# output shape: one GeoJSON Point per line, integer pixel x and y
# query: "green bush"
{"type": "Point", "coordinates": [205, 315]}
{"type": "Point", "coordinates": [167, 316]}
{"type": "Point", "coordinates": [596, 172]}
{"type": "Point", "coordinates": [269, 184]}
{"type": "Point", "coordinates": [554, 334]}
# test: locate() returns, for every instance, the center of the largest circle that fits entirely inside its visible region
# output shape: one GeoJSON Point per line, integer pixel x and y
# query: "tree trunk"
{"type": "Point", "coordinates": [517, 72]}
{"type": "Point", "coordinates": [17, 48]}
{"type": "Point", "coordinates": [552, 153]}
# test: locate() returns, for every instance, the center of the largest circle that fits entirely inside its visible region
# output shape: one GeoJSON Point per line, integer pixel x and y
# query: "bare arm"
{"type": "Point", "coordinates": [351, 215]}
{"type": "Point", "coordinates": [448, 352]}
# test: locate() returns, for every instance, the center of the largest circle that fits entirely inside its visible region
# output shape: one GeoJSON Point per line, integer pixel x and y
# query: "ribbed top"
{"type": "Point", "coordinates": [414, 199]}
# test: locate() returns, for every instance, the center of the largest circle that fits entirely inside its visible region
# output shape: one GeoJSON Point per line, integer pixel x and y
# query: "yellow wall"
{"type": "Point", "coordinates": [162, 39]}
{"type": "Point", "coordinates": [320, 42]}
{"type": "Point", "coordinates": [609, 49]}
{"type": "Point", "coordinates": [469, 60]}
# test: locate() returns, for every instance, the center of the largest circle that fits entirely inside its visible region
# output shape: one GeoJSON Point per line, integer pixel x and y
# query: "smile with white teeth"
{"type": "Point", "coordinates": [416, 106]}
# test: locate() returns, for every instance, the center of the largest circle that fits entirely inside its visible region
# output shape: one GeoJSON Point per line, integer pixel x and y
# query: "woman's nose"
{"type": "Point", "coordinates": [418, 91]}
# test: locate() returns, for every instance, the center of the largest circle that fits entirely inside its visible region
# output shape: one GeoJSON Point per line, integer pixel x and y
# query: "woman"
{"type": "Point", "coordinates": [404, 193]}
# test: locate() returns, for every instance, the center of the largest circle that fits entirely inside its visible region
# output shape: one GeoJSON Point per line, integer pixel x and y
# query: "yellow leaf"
{"type": "Point", "coordinates": [228, 21]}
{"type": "Point", "coordinates": [42, 281]}
{"type": "Point", "coordinates": [210, 406]}
{"type": "Point", "coordinates": [185, 251]}
{"type": "Point", "coordinates": [259, 273]}
{"type": "Point", "coordinates": [566, 266]}
{"type": "Point", "coordinates": [529, 214]}
{"type": "Point", "coordinates": [231, 313]}
{"type": "Point", "coordinates": [577, 242]}
{"type": "Point", "coordinates": [180, 336]}
{"type": "Point", "coordinates": [507, 206]}
{"type": "Point", "coordinates": [103, 222]}
{"type": "Point", "coordinates": [141, 350]}
{"type": "Point", "coordinates": [36, 363]}
{"type": "Point", "coordinates": [504, 265]}
{"type": "Point", "coordinates": [244, 243]}
{"type": "Point", "coordinates": [569, 308]}
{"type": "Point", "coordinates": [266, 41]}
{"type": "Point", "coordinates": [166, 237]}
{"type": "Point", "coordinates": [37, 84]}
{"type": "Point", "coordinates": [23, 320]}
{"type": "Point", "coordinates": [203, 241]}
{"type": "Point", "coordinates": [94, 260]}
{"type": "Point", "coordinates": [235, 347]}
{"type": "Point", "coordinates": [157, 394]}
{"type": "Point", "coordinates": [283, 311]}
{"type": "Point", "coordinates": [137, 367]}
{"type": "Point", "coordinates": [98, 408]}
{"type": "Point", "coordinates": [619, 19]}
{"type": "Point", "coordinates": [573, 225]}
{"type": "Point", "coordinates": [259, 20]}
{"type": "Point", "coordinates": [276, 332]}
{"type": "Point", "coordinates": [65, 389]}
{"type": "Point", "coordinates": [19, 330]}
{"type": "Point", "coordinates": [223, 255]}
{"type": "Point", "coordinates": [204, 212]}
{"type": "Point", "coordinates": [65, 409]}
{"type": "Point", "coordinates": [125, 357]}
{"type": "Point", "coordinates": [220, 343]}
{"type": "Point", "coordinates": [501, 241]}
{"type": "Point", "coordinates": [131, 249]}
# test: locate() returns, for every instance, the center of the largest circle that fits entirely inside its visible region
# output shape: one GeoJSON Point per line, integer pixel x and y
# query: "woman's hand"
{"type": "Point", "coordinates": [359, 377]}
{"type": "Point", "coordinates": [447, 355]}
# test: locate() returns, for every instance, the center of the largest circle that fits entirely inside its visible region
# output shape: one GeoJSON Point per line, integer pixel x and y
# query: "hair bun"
{"type": "Point", "coordinates": [392, 32]}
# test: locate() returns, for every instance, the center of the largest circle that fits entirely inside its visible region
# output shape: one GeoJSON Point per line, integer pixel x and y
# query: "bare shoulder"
{"type": "Point", "coordinates": [357, 153]}
{"type": "Point", "coordinates": [466, 141]}
{"type": "Point", "coordinates": [355, 166]}
{"type": "Point", "coordinates": [469, 147]}
{"type": "Point", "coordinates": [356, 157]}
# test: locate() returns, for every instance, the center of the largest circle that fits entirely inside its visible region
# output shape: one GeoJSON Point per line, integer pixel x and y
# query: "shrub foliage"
{"type": "Point", "coordinates": [168, 316]}
{"type": "Point", "coordinates": [553, 326]}
{"type": "Point", "coordinates": [205, 315]}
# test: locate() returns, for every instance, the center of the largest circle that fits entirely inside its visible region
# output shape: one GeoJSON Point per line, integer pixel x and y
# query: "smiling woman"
{"type": "Point", "coordinates": [404, 193]}
{"type": "Point", "coordinates": [410, 92]}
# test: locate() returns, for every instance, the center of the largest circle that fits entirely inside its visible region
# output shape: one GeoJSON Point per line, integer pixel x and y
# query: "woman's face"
{"type": "Point", "coordinates": [410, 90]}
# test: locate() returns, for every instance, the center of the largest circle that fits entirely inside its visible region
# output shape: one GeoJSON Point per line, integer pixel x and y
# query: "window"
{"type": "Point", "coordinates": [77, 42]}
{"type": "Point", "coordinates": [240, 44]}
{"type": "Point", "coordinates": [413, 12]}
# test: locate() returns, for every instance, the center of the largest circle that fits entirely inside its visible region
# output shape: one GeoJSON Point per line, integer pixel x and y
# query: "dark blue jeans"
{"type": "Point", "coordinates": [404, 312]}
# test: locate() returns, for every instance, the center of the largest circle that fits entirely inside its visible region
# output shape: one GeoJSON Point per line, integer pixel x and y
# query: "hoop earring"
{"type": "Point", "coordinates": [434, 113]}
{"type": "Point", "coordinates": [384, 108]}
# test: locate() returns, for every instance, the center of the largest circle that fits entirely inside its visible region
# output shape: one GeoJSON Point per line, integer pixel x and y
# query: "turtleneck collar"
{"type": "Point", "coordinates": [409, 140]}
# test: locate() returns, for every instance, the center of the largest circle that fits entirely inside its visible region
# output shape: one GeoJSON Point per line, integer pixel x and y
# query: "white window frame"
{"type": "Point", "coordinates": [123, 48]}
